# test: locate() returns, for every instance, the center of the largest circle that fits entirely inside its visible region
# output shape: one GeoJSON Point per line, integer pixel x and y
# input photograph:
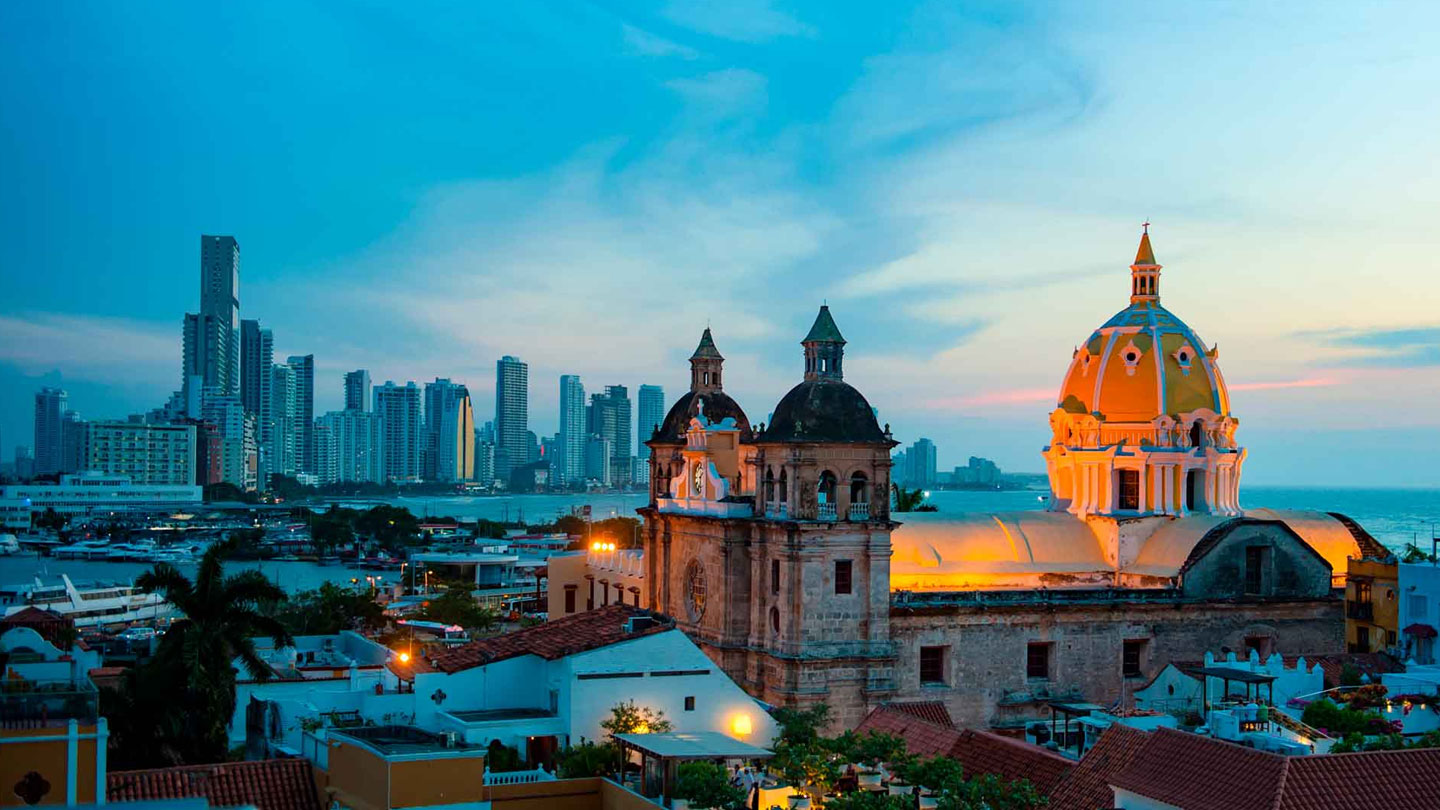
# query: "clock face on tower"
{"type": "Point", "coordinates": [699, 479]}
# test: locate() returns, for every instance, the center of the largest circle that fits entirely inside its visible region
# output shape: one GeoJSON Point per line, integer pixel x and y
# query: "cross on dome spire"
{"type": "Point", "coordinates": [1145, 272]}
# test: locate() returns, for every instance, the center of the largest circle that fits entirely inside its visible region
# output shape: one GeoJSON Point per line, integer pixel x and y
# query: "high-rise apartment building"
{"type": "Point", "coordinates": [357, 390]}
{"type": "Point", "coordinates": [569, 467]}
{"type": "Point", "coordinates": [512, 415]}
{"type": "Point", "coordinates": [920, 459]}
{"type": "Point", "coordinates": [349, 446]}
{"type": "Point", "coordinates": [212, 335]}
{"type": "Point", "coordinates": [449, 432]}
{"type": "Point", "coordinates": [484, 458]}
{"type": "Point", "coordinates": [146, 454]}
{"type": "Point", "coordinates": [399, 409]}
{"type": "Point", "coordinates": [257, 354]}
{"type": "Point", "coordinates": [72, 443]}
{"type": "Point", "coordinates": [599, 453]}
{"type": "Point", "coordinates": [650, 412]}
{"type": "Point", "coordinates": [304, 366]}
{"type": "Point", "coordinates": [235, 433]}
{"type": "Point", "coordinates": [51, 405]}
{"type": "Point", "coordinates": [280, 438]}
{"type": "Point", "coordinates": [610, 419]}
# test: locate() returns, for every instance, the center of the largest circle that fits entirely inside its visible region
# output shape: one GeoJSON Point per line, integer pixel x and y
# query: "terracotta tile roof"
{"type": "Point", "coordinates": [1375, 780]}
{"type": "Point", "coordinates": [271, 784]}
{"type": "Point", "coordinates": [1087, 787]}
{"type": "Point", "coordinates": [555, 639]}
{"type": "Point", "coordinates": [30, 615]}
{"type": "Point", "coordinates": [1199, 773]}
{"type": "Point", "coordinates": [982, 752]}
{"type": "Point", "coordinates": [979, 751]}
{"type": "Point", "coordinates": [922, 737]}
{"type": "Point", "coordinates": [931, 710]}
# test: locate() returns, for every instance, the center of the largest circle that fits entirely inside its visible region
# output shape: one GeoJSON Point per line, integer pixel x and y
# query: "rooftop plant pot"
{"type": "Point", "coordinates": [798, 801]}
{"type": "Point", "coordinates": [867, 779]}
{"type": "Point", "coordinates": [900, 789]}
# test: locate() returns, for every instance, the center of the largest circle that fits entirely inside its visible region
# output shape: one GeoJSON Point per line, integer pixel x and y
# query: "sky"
{"type": "Point", "coordinates": [421, 188]}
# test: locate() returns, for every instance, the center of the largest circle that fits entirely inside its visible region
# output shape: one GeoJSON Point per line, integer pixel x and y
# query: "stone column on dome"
{"type": "Point", "coordinates": [1140, 502]}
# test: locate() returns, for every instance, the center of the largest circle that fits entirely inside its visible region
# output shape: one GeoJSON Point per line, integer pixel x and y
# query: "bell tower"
{"type": "Point", "coordinates": [824, 349]}
{"type": "Point", "coordinates": [706, 365]}
{"type": "Point", "coordinates": [1145, 273]}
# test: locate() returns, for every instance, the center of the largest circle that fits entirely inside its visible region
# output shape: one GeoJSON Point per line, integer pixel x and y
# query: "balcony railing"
{"type": "Point", "coordinates": [780, 510]}
{"type": "Point", "coordinates": [825, 511]}
{"type": "Point", "coordinates": [1364, 611]}
{"type": "Point", "coordinates": [859, 511]}
{"type": "Point", "coordinates": [47, 704]}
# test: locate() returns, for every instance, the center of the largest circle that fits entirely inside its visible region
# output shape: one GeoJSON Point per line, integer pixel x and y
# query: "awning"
{"type": "Point", "coordinates": [1419, 630]}
{"type": "Point", "coordinates": [693, 745]}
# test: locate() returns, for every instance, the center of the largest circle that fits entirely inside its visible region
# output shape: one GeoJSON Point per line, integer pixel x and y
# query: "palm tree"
{"type": "Point", "coordinates": [907, 500]}
{"type": "Point", "coordinates": [194, 664]}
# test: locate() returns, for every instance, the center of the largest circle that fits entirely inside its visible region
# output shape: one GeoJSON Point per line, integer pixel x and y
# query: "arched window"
{"type": "Point", "coordinates": [769, 484]}
{"type": "Point", "coordinates": [826, 487]}
{"type": "Point", "coordinates": [784, 485]}
{"type": "Point", "coordinates": [859, 488]}
{"type": "Point", "coordinates": [1197, 434]}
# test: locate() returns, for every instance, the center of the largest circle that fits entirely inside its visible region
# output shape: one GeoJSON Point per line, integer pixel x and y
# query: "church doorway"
{"type": "Point", "coordinates": [1195, 490]}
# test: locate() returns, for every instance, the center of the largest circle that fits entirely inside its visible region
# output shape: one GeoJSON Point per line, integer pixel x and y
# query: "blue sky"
{"type": "Point", "coordinates": [421, 188]}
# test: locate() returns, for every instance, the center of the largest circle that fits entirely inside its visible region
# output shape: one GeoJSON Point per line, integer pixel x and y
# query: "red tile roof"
{"type": "Point", "coordinates": [1009, 759]}
{"type": "Point", "coordinates": [922, 737]}
{"type": "Point", "coordinates": [554, 639]}
{"type": "Point", "coordinates": [1088, 785]}
{"type": "Point", "coordinates": [1200, 773]}
{"type": "Point", "coordinates": [979, 751]}
{"type": "Point", "coordinates": [932, 710]}
{"type": "Point", "coordinates": [30, 615]}
{"type": "Point", "coordinates": [272, 784]}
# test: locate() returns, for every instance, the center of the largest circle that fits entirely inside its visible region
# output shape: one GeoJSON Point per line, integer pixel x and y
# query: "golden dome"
{"type": "Point", "coordinates": [1144, 362]}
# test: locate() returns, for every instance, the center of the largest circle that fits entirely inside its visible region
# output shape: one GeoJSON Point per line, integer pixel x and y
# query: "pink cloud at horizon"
{"type": "Point", "coordinates": [1270, 385]}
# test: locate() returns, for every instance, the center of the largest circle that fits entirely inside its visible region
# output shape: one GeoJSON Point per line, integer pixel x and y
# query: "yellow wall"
{"type": "Point", "coordinates": [47, 755]}
{"type": "Point", "coordinates": [1384, 600]}
{"type": "Point", "coordinates": [570, 569]}
{"type": "Point", "coordinates": [420, 783]}
{"type": "Point", "coordinates": [358, 778]}
{"type": "Point", "coordinates": [567, 794]}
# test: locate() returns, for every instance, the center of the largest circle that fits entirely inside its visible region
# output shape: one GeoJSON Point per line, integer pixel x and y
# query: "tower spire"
{"type": "Point", "coordinates": [824, 348]}
{"type": "Point", "coordinates": [1145, 272]}
{"type": "Point", "coordinates": [705, 365]}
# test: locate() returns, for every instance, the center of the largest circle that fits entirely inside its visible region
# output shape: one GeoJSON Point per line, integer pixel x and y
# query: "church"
{"type": "Point", "coordinates": [774, 546]}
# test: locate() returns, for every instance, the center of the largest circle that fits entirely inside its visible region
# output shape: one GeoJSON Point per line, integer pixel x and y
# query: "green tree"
{"type": "Point", "coordinates": [801, 726]}
{"type": "Point", "coordinates": [628, 718]}
{"type": "Point", "coordinates": [865, 800]}
{"type": "Point", "coordinates": [989, 792]}
{"type": "Point", "coordinates": [706, 784]}
{"type": "Point", "coordinates": [332, 528]}
{"type": "Point", "coordinates": [458, 607]}
{"type": "Point", "coordinates": [391, 526]}
{"type": "Point", "coordinates": [192, 671]}
{"type": "Point", "coordinates": [585, 760]}
{"type": "Point", "coordinates": [906, 500]}
{"type": "Point", "coordinates": [330, 609]}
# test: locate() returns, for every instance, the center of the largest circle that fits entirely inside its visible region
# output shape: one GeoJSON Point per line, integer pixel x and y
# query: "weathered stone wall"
{"type": "Point", "coordinates": [986, 683]}
{"type": "Point", "coordinates": [1291, 568]}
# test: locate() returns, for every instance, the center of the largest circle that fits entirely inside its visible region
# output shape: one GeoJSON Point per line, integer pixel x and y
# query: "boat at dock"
{"type": "Point", "coordinates": [91, 604]}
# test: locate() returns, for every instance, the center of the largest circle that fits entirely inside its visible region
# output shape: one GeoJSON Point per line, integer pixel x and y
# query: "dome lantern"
{"type": "Point", "coordinates": [1145, 273]}
{"type": "Point", "coordinates": [824, 348]}
{"type": "Point", "coordinates": [705, 365]}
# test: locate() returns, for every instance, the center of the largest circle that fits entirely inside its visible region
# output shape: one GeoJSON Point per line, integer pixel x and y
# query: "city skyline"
{"type": "Point", "coordinates": [966, 230]}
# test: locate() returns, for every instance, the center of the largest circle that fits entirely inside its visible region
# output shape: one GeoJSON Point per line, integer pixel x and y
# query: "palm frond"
{"type": "Point", "coordinates": [250, 588]}
{"type": "Point", "coordinates": [166, 579]}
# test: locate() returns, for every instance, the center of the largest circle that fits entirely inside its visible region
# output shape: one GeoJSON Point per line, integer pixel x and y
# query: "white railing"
{"type": "Point", "coordinates": [826, 511]}
{"type": "Point", "coordinates": [859, 511]}
{"type": "Point", "coordinates": [518, 777]}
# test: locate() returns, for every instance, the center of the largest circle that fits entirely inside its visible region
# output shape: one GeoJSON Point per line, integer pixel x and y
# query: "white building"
{"type": "Point", "coordinates": [538, 689]}
{"type": "Point", "coordinates": [349, 447]}
{"type": "Point", "coordinates": [91, 493]}
{"type": "Point", "coordinates": [1419, 610]}
{"type": "Point", "coordinates": [1177, 687]}
{"type": "Point", "coordinates": [14, 514]}
{"type": "Point", "coordinates": [145, 454]}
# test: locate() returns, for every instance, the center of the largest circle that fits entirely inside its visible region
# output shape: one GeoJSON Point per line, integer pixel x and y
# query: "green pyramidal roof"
{"type": "Point", "coordinates": [706, 347]}
{"type": "Point", "coordinates": [824, 330]}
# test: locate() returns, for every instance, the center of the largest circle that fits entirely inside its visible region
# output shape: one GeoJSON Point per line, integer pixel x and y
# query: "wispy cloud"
{"type": "Point", "coordinates": [1271, 385]}
{"type": "Point", "coordinates": [723, 93]}
{"type": "Point", "coordinates": [741, 20]}
{"type": "Point", "coordinates": [1014, 396]}
{"type": "Point", "coordinates": [640, 42]}
{"type": "Point", "coordinates": [113, 350]}
{"type": "Point", "coordinates": [1406, 347]}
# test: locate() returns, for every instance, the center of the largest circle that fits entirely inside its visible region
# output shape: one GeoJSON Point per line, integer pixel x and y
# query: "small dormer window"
{"type": "Point", "coordinates": [1185, 357]}
{"type": "Point", "coordinates": [1131, 354]}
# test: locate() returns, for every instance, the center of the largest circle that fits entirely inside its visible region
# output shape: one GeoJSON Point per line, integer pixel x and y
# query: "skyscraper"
{"type": "Point", "coordinates": [921, 461]}
{"type": "Point", "coordinates": [357, 390]}
{"type": "Point", "coordinates": [512, 415]}
{"type": "Point", "coordinates": [304, 366]}
{"type": "Point", "coordinates": [349, 446]}
{"type": "Point", "coordinates": [50, 407]}
{"type": "Point", "coordinates": [650, 413]}
{"type": "Point", "coordinates": [610, 419]}
{"type": "Point", "coordinates": [257, 353]}
{"type": "Point", "coordinates": [449, 432]}
{"type": "Point", "coordinates": [212, 336]}
{"type": "Point", "coordinates": [280, 439]}
{"type": "Point", "coordinates": [235, 428]}
{"type": "Point", "coordinates": [570, 466]}
{"type": "Point", "coordinates": [399, 411]}
{"type": "Point", "coordinates": [72, 442]}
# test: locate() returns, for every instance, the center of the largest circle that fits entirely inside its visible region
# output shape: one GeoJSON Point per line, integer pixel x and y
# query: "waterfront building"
{"type": "Point", "coordinates": [212, 335]}
{"type": "Point", "coordinates": [304, 415]}
{"type": "Point", "coordinates": [279, 438]}
{"type": "Point", "coordinates": [234, 428]}
{"type": "Point", "coordinates": [160, 455]}
{"type": "Point", "coordinates": [650, 412]}
{"type": "Point", "coordinates": [51, 404]}
{"type": "Point", "coordinates": [72, 442]}
{"type": "Point", "coordinates": [350, 447]}
{"type": "Point", "coordinates": [921, 464]}
{"type": "Point", "coordinates": [257, 354]}
{"type": "Point", "coordinates": [609, 418]}
{"type": "Point", "coordinates": [484, 460]}
{"type": "Point", "coordinates": [399, 409]}
{"type": "Point", "coordinates": [449, 431]}
{"type": "Point", "coordinates": [570, 468]}
{"type": "Point", "coordinates": [357, 390]}
{"type": "Point", "coordinates": [976, 472]}
{"type": "Point", "coordinates": [92, 493]}
{"type": "Point", "coordinates": [512, 415]}
{"type": "Point", "coordinates": [598, 454]}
